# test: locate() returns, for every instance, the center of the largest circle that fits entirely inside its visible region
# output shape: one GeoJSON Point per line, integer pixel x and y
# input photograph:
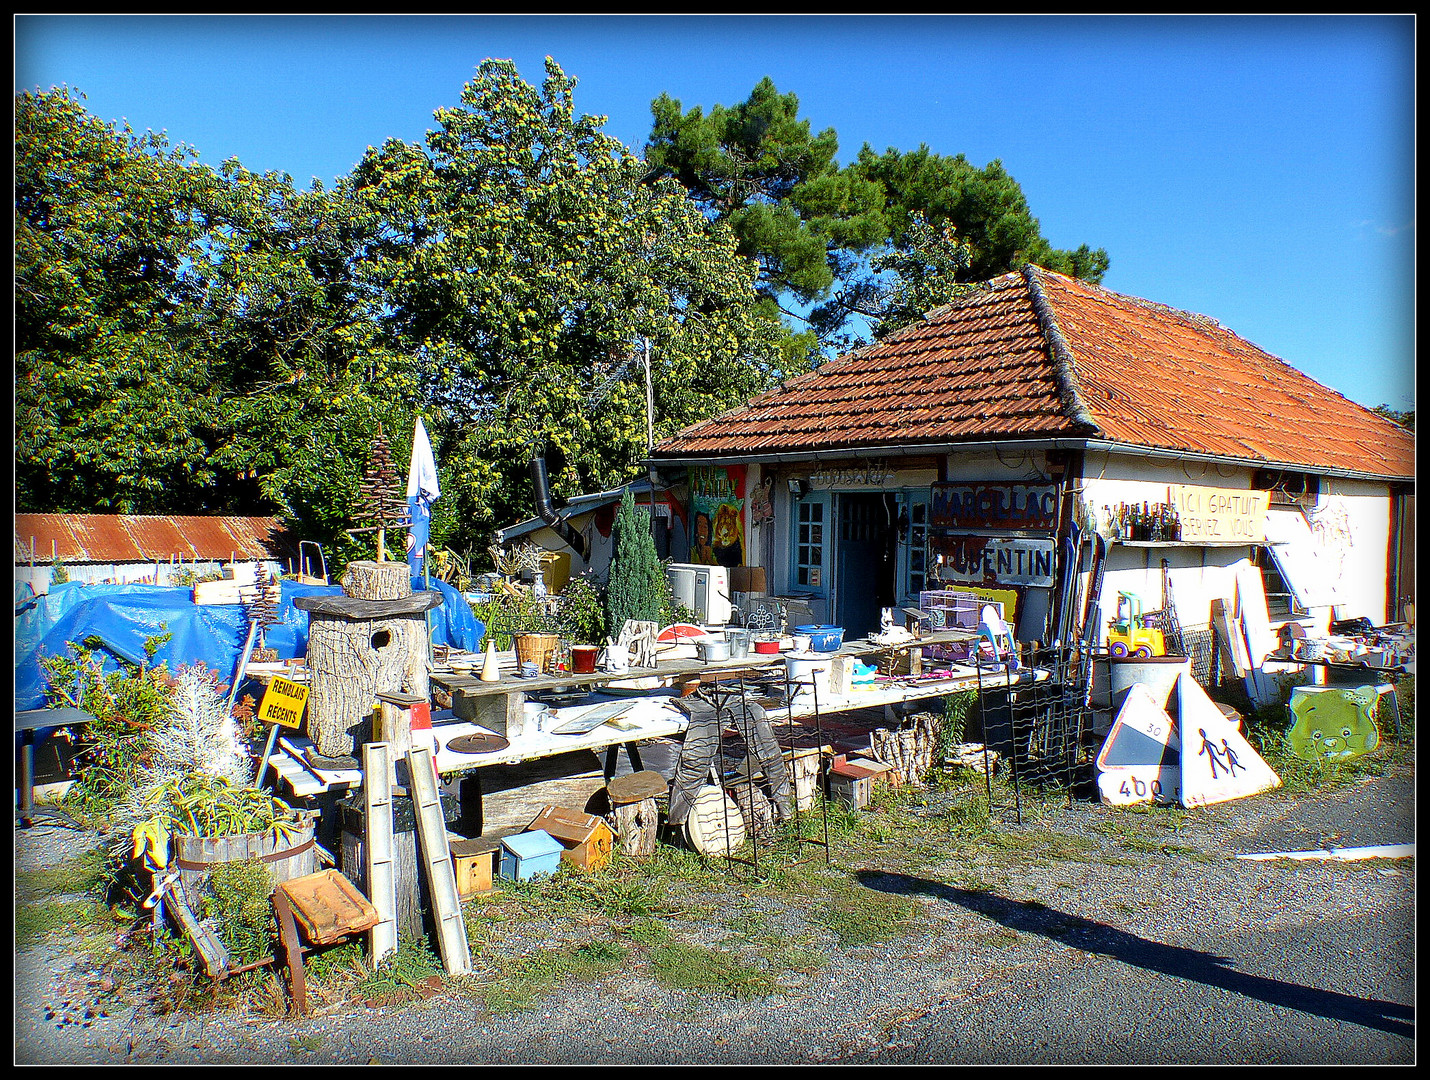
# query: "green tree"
{"type": "Point", "coordinates": [1405, 418]}
{"type": "Point", "coordinates": [986, 206]}
{"type": "Point", "coordinates": [186, 339]}
{"type": "Point", "coordinates": [837, 245]}
{"type": "Point", "coordinates": [636, 586]}
{"type": "Point", "coordinates": [111, 401]}
{"type": "Point", "coordinates": [523, 262]}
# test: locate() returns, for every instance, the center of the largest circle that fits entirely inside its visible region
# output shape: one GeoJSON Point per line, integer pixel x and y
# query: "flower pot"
{"type": "Point", "coordinates": [196, 856]}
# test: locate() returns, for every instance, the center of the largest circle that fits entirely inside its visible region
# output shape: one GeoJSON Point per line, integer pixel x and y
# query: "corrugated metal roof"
{"type": "Point", "coordinates": [118, 538]}
{"type": "Point", "coordinates": [983, 369]}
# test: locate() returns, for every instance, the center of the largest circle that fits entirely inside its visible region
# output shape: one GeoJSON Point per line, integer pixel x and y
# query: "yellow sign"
{"type": "Point", "coordinates": [1221, 514]}
{"type": "Point", "coordinates": [283, 703]}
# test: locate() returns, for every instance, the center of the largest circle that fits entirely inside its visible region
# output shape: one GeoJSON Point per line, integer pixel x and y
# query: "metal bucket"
{"type": "Point", "coordinates": [1157, 673]}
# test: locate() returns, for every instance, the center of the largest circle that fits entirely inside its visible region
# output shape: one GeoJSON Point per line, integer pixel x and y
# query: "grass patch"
{"type": "Point", "coordinates": [409, 974]}
{"type": "Point", "coordinates": [680, 965]}
{"type": "Point", "coordinates": [35, 920]}
{"type": "Point", "coordinates": [526, 980]}
{"type": "Point", "coordinates": [83, 874]}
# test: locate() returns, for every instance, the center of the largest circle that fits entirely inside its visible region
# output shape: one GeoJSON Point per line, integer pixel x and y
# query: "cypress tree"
{"type": "Point", "coordinates": [637, 581]}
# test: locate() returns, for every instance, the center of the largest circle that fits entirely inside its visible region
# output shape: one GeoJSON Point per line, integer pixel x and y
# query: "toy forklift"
{"type": "Point", "coordinates": [1129, 633]}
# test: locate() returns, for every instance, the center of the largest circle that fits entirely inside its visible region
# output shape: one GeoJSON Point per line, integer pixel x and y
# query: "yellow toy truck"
{"type": "Point", "coordinates": [1128, 633]}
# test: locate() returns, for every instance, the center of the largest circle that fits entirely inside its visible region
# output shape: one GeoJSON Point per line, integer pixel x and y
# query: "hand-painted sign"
{"type": "Point", "coordinates": [283, 703]}
{"type": "Point", "coordinates": [994, 506]}
{"type": "Point", "coordinates": [994, 560]}
{"type": "Point", "coordinates": [1221, 514]}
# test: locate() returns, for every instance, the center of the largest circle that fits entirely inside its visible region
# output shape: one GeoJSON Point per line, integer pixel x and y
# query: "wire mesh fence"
{"type": "Point", "coordinates": [1035, 717]}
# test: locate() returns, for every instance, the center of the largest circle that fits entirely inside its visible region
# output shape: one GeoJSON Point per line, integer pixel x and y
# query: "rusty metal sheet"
{"type": "Point", "coordinates": [120, 538]}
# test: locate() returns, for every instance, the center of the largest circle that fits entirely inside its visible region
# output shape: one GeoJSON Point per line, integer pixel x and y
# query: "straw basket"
{"type": "Point", "coordinates": [536, 649]}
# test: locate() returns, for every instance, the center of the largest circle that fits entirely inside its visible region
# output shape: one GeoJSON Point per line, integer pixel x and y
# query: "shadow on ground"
{"type": "Point", "coordinates": [1183, 963]}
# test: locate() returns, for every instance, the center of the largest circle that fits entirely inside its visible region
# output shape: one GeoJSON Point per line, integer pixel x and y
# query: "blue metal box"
{"type": "Point", "coordinates": [530, 854]}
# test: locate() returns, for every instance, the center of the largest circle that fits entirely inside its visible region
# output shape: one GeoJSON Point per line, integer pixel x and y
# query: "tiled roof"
{"type": "Point", "coordinates": [1037, 355]}
{"type": "Point", "coordinates": [117, 538]}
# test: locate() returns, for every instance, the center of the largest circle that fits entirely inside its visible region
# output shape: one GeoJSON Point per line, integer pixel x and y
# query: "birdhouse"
{"type": "Point", "coordinates": [473, 861]}
{"type": "Point", "coordinates": [586, 840]}
{"type": "Point", "coordinates": [530, 854]}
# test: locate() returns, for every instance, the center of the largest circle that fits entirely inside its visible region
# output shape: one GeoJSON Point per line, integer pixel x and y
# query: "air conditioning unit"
{"type": "Point", "coordinates": [705, 590]}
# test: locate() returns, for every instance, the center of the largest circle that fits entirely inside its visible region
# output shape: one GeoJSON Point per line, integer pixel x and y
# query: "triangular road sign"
{"type": "Point", "coordinates": [1140, 760]}
{"type": "Point", "coordinates": [1218, 764]}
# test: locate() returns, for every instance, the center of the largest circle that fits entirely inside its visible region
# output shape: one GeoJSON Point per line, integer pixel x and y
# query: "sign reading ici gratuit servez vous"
{"type": "Point", "coordinates": [1221, 514]}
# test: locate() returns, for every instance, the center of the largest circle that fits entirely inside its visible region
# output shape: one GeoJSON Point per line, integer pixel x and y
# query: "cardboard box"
{"type": "Point", "coordinates": [587, 840]}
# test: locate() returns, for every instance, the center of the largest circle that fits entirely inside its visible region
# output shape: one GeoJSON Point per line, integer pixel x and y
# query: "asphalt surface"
{"type": "Point", "coordinates": [1179, 956]}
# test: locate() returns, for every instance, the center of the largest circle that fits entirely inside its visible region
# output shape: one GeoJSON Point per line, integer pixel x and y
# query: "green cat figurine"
{"type": "Point", "coordinates": [1333, 724]}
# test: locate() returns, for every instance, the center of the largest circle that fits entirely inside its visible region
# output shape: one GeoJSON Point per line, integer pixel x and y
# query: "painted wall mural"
{"type": "Point", "coordinates": [717, 498]}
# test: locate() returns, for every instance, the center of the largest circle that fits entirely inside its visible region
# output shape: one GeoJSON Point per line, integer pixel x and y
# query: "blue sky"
{"type": "Point", "coordinates": [1257, 170]}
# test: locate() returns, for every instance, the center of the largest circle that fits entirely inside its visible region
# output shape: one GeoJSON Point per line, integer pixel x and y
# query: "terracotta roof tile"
{"type": "Point", "coordinates": [1123, 369]}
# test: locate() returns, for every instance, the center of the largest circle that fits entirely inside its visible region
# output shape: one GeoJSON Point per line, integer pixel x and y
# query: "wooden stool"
{"type": "Point", "coordinates": [634, 813]}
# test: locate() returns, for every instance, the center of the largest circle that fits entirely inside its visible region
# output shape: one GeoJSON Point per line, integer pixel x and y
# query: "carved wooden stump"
{"type": "Point", "coordinates": [359, 648]}
{"type": "Point", "coordinates": [377, 580]}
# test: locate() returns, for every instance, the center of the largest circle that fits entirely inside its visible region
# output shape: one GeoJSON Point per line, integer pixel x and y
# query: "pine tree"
{"type": "Point", "coordinates": [263, 611]}
{"type": "Point", "coordinates": [637, 581]}
{"type": "Point", "coordinates": [381, 504]}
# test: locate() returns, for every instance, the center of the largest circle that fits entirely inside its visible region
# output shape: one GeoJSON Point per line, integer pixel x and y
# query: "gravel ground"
{"type": "Point", "coordinates": [1174, 953]}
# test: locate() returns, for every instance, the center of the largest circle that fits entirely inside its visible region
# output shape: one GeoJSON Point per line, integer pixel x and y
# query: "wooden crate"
{"type": "Point", "coordinates": [587, 839]}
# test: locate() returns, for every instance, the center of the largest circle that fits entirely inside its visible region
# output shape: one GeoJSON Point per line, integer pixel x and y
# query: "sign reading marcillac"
{"type": "Point", "coordinates": [994, 506]}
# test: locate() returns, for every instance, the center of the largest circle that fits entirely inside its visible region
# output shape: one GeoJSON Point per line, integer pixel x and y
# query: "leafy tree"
{"type": "Point", "coordinates": [523, 261]}
{"type": "Point", "coordinates": [1405, 418]}
{"type": "Point", "coordinates": [986, 206]}
{"type": "Point", "coordinates": [187, 340]}
{"type": "Point", "coordinates": [111, 402]}
{"type": "Point", "coordinates": [759, 169]}
{"type": "Point", "coordinates": [928, 265]}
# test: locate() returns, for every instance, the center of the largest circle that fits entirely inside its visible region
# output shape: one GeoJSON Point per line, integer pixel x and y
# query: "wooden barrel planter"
{"type": "Point", "coordinates": [196, 856]}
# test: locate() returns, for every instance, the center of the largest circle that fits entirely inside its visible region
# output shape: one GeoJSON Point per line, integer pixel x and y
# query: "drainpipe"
{"type": "Point", "coordinates": [547, 513]}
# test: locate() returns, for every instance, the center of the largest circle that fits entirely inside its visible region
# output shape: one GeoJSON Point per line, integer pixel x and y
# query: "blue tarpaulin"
{"type": "Point", "coordinates": [124, 617]}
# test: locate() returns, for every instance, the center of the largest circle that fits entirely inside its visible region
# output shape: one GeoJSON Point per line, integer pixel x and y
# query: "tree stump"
{"type": "Point", "coordinates": [628, 805]}
{"type": "Point", "coordinates": [359, 648]}
{"type": "Point", "coordinates": [377, 580]}
{"type": "Point", "coordinates": [909, 749]}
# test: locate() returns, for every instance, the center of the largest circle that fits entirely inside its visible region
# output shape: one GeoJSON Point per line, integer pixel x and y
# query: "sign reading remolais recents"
{"type": "Point", "coordinates": [994, 560]}
{"type": "Point", "coordinates": [994, 506]}
{"type": "Point", "coordinates": [283, 703]}
{"type": "Point", "coordinates": [1220, 514]}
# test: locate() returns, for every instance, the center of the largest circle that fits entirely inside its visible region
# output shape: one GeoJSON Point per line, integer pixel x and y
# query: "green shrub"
{"type": "Point", "coordinates": [637, 587]}
{"type": "Point", "coordinates": [242, 907]}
